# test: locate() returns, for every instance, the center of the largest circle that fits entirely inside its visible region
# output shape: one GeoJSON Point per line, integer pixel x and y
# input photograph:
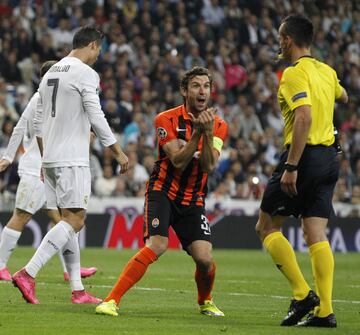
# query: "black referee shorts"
{"type": "Point", "coordinates": [318, 172]}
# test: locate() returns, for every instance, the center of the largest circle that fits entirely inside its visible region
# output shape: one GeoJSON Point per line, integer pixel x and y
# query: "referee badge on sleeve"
{"type": "Point", "coordinates": [299, 96]}
{"type": "Point", "coordinates": [162, 133]}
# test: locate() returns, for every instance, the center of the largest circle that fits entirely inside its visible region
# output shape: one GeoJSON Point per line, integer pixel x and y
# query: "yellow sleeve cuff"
{"type": "Point", "coordinates": [218, 143]}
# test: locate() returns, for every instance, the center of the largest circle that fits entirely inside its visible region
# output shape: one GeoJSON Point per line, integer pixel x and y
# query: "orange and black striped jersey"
{"type": "Point", "coordinates": [187, 187]}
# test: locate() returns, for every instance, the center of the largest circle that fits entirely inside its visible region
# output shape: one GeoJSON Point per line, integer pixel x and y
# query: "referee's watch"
{"type": "Point", "coordinates": [290, 167]}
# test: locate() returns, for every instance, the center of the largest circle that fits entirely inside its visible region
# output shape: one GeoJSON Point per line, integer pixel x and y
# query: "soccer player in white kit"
{"type": "Point", "coordinates": [67, 107]}
{"type": "Point", "coordinates": [30, 195]}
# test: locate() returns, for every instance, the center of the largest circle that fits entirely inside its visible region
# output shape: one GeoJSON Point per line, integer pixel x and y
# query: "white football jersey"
{"type": "Point", "coordinates": [68, 106]}
{"type": "Point", "coordinates": [30, 161]}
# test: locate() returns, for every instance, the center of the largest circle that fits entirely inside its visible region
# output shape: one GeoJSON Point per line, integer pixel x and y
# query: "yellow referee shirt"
{"type": "Point", "coordinates": [310, 82]}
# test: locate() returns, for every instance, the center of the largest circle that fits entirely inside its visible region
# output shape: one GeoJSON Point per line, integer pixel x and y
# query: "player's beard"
{"type": "Point", "coordinates": [196, 107]}
{"type": "Point", "coordinates": [284, 53]}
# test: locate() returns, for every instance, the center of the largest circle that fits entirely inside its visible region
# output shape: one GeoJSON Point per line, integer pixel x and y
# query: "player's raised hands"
{"type": "Point", "coordinates": [205, 120]}
{"type": "Point", "coordinates": [4, 163]}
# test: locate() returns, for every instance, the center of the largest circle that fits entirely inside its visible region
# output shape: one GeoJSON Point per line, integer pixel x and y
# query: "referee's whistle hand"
{"type": "Point", "coordinates": [288, 183]}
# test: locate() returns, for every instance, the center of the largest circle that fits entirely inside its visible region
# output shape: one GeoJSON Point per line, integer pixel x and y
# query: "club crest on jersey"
{"type": "Point", "coordinates": [162, 133]}
{"type": "Point", "coordinates": [155, 222]}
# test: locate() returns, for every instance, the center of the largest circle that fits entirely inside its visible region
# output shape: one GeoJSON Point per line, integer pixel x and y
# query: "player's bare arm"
{"type": "Point", "coordinates": [15, 139]}
{"type": "Point", "coordinates": [120, 157]}
{"type": "Point", "coordinates": [301, 127]}
{"type": "Point", "coordinates": [344, 97]}
{"type": "Point", "coordinates": [180, 156]}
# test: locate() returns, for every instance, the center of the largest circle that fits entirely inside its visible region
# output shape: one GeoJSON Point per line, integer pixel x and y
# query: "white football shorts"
{"type": "Point", "coordinates": [30, 194]}
{"type": "Point", "coordinates": [67, 187]}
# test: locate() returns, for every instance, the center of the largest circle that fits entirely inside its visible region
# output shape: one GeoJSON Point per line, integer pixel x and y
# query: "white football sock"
{"type": "Point", "coordinates": [71, 253]}
{"type": "Point", "coordinates": [9, 238]}
{"type": "Point", "coordinates": [62, 261]}
{"type": "Point", "coordinates": [52, 242]}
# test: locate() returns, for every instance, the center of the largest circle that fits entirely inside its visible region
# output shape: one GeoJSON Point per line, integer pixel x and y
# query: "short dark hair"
{"type": "Point", "coordinates": [299, 28]}
{"type": "Point", "coordinates": [195, 71]}
{"type": "Point", "coordinates": [86, 35]}
{"type": "Point", "coordinates": [46, 67]}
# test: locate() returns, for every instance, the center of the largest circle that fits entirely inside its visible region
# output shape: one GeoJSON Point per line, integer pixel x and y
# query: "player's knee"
{"type": "Point", "coordinates": [205, 265]}
{"type": "Point", "coordinates": [19, 219]}
{"type": "Point", "coordinates": [261, 230]}
{"type": "Point", "coordinates": [313, 233]}
{"type": "Point", "coordinates": [77, 225]}
{"type": "Point", "coordinates": [204, 262]}
{"type": "Point", "coordinates": [258, 228]}
{"type": "Point", "coordinates": [157, 244]}
{"type": "Point", "coordinates": [305, 234]}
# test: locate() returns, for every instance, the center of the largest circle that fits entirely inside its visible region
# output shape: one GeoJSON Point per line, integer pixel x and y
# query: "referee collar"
{"type": "Point", "coordinates": [305, 56]}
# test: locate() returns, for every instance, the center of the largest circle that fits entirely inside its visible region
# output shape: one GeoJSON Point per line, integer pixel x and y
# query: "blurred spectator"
{"type": "Point", "coordinates": [111, 111]}
{"type": "Point", "coordinates": [7, 110]}
{"type": "Point", "coordinates": [147, 47]}
{"type": "Point", "coordinates": [248, 122]}
{"type": "Point", "coordinates": [105, 185]}
{"type": "Point", "coordinates": [213, 15]}
{"type": "Point", "coordinates": [10, 70]}
{"type": "Point", "coordinates": [62, 35]}
{"type": "Point", "coordinates": [355, 196]}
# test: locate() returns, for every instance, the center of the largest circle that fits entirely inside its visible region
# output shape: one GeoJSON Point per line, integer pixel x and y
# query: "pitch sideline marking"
{"type": "Point", "coordinates": [158, 289]}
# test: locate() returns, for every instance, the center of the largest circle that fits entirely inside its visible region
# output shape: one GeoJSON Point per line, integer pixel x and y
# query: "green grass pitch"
{"type": "Point", "coordinates": [248, 288]}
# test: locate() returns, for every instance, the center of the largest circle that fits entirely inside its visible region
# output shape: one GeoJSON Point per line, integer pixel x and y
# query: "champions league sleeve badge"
{"type": "Point", "coordinates": [161, 132]}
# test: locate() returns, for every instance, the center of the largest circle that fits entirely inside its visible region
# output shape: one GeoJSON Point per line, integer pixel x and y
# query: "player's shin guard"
{"type": "Point", "coordinates": [284, 258]}
{"type": "Point", "coordinates": [132, 273]}
{"type": "Point", "coordinates": [322, 261]}
{"type": "Point", "coordinates": [204, 283]}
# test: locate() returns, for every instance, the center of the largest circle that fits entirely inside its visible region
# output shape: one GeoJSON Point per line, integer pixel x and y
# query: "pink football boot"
{"type": "Point", "coordinates": [84, 272]}
{"type": "Point", "coordinates": [26, 284]}
{"type": "Point", "coordinates": [83, 297]}
{"type": "Point", "coordinates": [5, 274]}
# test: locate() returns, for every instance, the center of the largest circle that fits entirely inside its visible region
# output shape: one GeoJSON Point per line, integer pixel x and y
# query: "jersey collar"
{"type": "Point", "coordinates": [184, 113]}
{"type": "Point", "coordinates": [302, 57]}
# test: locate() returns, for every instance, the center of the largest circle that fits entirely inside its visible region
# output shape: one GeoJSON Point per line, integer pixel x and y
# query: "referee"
{"type": "Point", "coordinates": [303, 182]}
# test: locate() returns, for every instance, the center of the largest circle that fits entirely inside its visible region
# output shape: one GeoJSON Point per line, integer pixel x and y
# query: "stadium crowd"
{"type": "Point", "coordinates": [148, 44]}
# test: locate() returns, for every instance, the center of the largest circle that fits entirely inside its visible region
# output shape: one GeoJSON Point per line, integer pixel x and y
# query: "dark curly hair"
{"type": "Point", "coordinates": [195, 71]}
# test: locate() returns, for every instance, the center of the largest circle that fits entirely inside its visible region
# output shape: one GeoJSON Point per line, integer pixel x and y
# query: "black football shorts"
{"type": "Point", "coordinates": [161, 213]}
{"type": "Point", "coordinates": [318, 172]}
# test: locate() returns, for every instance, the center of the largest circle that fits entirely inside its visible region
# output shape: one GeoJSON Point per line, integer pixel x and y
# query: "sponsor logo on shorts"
{"type": "Point", "coordinates": [155, 222]}
{"type": "Point", "coordinates": [86, 199]}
